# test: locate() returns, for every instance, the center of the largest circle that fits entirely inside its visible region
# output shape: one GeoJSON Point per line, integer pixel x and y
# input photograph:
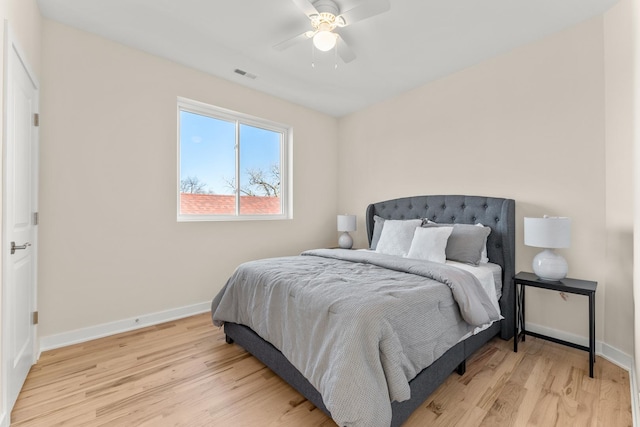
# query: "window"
{"type": "Point", "coordinates": [231, 166]}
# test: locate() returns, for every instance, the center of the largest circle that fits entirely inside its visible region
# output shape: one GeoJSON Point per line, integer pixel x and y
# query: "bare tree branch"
{"type": "Point", "coordinates": [231, 184]}
{"type": "Point", "coordinates": [260, 182]}
{"type": "Point", "coordinates": [263, 184]}
{"type": "Point", "coordinates": [193, 185]}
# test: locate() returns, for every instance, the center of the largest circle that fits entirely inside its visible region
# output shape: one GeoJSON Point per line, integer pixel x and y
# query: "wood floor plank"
{"type": "Point", "coordinates": [183, 373]}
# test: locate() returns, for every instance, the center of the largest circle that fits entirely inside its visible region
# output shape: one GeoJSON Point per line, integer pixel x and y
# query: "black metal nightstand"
{"type": "Point", "coordinates": [573, 286]}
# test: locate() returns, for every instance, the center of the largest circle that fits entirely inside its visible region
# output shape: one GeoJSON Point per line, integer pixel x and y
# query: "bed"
{"type": "Point", "coordinates": [496, 213]}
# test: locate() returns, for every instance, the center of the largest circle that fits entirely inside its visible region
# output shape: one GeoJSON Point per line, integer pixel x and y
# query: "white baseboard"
{"type": "Point", "coordinates": [616, 356]}
{"type": "Point", "coordinates": [610, 353]}
{"type": "Point", "coordinates": [4, 420]}
{"type": "Point", "coordinates": [98, 331]}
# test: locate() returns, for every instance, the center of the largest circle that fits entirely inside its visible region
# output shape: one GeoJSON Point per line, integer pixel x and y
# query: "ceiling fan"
{"type": "Point", "coordinates": [325, 17]}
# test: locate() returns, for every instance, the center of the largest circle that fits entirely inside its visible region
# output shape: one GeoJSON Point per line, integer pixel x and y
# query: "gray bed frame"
{"type": "Point", "coordinates": [497, 213]}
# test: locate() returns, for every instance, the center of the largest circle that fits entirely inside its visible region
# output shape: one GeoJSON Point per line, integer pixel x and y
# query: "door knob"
{"type": "Point", "coordinates": [14, 247]}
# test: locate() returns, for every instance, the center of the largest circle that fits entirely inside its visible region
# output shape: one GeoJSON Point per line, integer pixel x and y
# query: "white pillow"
{"type": "Point", "coordinates": [483, 255]}
{"type": "Point", "coordinates": [430, 244]}
{"type": "Point", "coordinates": [396, 236]}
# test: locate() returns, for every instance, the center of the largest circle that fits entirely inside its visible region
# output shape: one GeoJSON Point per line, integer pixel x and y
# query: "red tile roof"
{"type": "Point", "coordinates": [217, 204]}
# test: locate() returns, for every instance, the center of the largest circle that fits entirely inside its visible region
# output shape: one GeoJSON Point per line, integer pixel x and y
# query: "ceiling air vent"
{"type": "Point", "coordinates": [245, 73]}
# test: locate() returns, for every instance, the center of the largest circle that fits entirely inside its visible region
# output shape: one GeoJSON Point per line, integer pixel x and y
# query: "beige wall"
{"type": "Point", "coordinates": [618, 37]}
{"type": "Point", "coordinates": [528, 125]}
{"type": "Point", "coordinates": [109, 242]}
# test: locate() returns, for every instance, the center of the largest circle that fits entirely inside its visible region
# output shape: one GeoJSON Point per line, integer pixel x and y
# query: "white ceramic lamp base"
{"type": "Point", "coordinates": [548, 265]}
{"type": "Point", "coordinates": [345, 241]}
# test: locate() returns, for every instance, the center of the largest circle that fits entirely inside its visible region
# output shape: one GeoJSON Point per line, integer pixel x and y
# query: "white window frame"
{"type": "Point", "coordinates": [286, 202]}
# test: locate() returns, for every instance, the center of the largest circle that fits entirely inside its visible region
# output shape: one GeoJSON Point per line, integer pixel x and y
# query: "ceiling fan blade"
{"type": "Point", "coordinates": [307, 7]}
{"type": "Point", "coordinates": [344, 51]}
{"type": "Point", "coordinates": [294, 40]}
{"type": "Point", "coordinates": [366, 10]}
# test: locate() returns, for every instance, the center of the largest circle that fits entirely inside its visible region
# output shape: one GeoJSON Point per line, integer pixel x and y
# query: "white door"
{"type": "Point", "coordinates": [19, 222]}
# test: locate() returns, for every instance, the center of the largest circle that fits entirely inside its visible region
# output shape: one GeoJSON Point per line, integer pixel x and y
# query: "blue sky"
{"type": "Point", "coordinates": [207, 150]}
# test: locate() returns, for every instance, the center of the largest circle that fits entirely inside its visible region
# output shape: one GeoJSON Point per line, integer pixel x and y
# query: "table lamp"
{"type": "Point", "coordinates": [548, 233]}
{"type": "Point", "coordinates": [346, 223]}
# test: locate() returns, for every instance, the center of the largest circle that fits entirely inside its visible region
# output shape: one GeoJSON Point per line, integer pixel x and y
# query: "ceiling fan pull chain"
{"type": "Point", "coordinates": [313, 56]}
{"type": "Point", "coordinates": [335, 55]}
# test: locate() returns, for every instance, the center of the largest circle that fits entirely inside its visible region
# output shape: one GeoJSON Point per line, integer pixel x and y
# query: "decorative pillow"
{"type": "Point", "coordinates": [430, 243]}
{"type": "Point", "coordinates": [465, 243]}
{"type": "Point", "coordinates": [396, 236]}
{"type": "Point", "coordinates": [378, 223]}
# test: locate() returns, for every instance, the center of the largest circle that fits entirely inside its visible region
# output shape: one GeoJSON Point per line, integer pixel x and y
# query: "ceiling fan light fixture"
{"type": "Point", "coordinates": [325, 16]}
{"type": "Point", "coordinates": [325, 40]}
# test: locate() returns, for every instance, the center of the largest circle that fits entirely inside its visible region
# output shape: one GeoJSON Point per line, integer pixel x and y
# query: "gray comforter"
{"type": "Point", "coordinates": [358, 325]}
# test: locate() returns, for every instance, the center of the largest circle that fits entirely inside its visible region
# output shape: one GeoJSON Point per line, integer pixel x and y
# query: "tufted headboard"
{"type": "Point", "coordinates": [497, 213]}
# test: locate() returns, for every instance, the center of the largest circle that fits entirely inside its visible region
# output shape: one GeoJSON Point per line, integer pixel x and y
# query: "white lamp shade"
{"type": "Point", "coordinates": [547, 232]}
{"type": "Point", "coordinates": [346, 223]}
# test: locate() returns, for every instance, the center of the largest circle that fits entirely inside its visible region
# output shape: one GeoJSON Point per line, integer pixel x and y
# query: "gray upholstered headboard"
{"type": "Point", "coordinates": [497, 213]}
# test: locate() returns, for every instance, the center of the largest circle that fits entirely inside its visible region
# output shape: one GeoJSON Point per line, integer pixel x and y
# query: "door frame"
{"type": "Point", "coordinates": [13, 52]}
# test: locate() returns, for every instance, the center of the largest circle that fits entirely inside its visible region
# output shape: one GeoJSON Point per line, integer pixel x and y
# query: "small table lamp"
{"type": "Point", "coordinates": [548, 233]}
{"type": "Point", "coordinates": [346, 223]}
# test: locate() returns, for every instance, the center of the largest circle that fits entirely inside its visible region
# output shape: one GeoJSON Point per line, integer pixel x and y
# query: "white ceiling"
{"type": "Point", "coordinates": [415, 42]}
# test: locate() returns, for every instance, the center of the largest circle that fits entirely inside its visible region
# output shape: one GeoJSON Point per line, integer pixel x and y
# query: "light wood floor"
{"type": "Point", "coordinates": [183, 373]}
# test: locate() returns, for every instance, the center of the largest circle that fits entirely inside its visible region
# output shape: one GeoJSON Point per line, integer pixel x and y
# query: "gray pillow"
{"type": "Point", "coordinates": [465, 243]}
